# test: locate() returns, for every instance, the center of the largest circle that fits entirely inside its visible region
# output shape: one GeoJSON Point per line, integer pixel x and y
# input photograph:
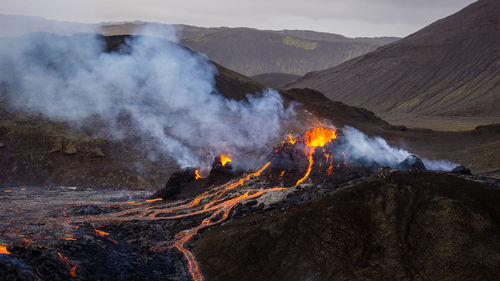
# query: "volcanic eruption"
{"type": "Point", "coordinates": [168, 97]}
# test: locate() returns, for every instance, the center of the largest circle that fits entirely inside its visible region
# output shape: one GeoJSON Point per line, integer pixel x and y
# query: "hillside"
{"type": "Point", "coordinates": [37, 151]}
{"type": "Point", "coordinates": [450, 67]}
{"type": "Point", "coordinates": [251, 51]}
{"type": "Point", "coordinates": [408, 227]}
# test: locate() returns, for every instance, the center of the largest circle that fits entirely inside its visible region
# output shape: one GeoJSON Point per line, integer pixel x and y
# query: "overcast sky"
{"type": "Point", "coordinates": [348, 17]}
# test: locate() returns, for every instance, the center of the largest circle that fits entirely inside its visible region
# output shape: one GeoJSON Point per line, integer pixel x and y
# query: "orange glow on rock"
{"type": "Point", "coordinates": [291, 140]}
{"type": "Point", "coordinates": [104, 235]}
{"type": "Point", "coordinates": [4, 251]}
{"type": "Point", "coordinates": [197, 174]}
{"type": "Point", "coordinates": [70, 264]}
{"type": "Point", "coordinates": [224, 159]}
{"type": "Point", "coordinates": [101, 233]}
{"type": "Point", "coordinates": [313, 138]}
{"type": "Point", "coordinates": [154, 200]}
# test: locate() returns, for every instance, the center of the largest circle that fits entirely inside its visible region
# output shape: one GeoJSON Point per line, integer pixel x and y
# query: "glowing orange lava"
{"type": "Point", "coordinates": [4, 251]}
{"type": "Point", "coordinates": [315, 138]}
{"type": "Point", "coordinates": [224, 159]}
{"type": "Point", "coordinates": [101, 233]}
{"type": "Point", "coordinates": [104, 235]}
{"type": "Point", "coordinates": [319, 136]}
{"type": "Point", "coordinates": [154, 200]}
{"type": "Point", "coordinates": [70, 264]}
{"type": "Point", "coordinates": [197, 174]}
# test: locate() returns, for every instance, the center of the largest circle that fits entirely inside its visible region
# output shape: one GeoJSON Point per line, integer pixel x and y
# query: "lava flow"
{"type": "Point", "coordinates": [197, 175]}
{"type": "Point", "coordinates": [314, 138]}
{"type": "Point", "coordinates": [71, 266]}
{"type": "Point", "coordinates": [213, 206]}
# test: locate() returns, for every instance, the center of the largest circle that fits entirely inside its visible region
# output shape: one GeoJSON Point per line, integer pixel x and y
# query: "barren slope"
{"type": "Point", "coordinates": [409, 227]}
{"type": "Point", "coordinates": [451, 67]}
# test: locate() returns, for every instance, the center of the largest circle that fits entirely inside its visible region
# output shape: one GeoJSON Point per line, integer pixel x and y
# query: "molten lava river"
{"type": "Point", "coordinates": [74, 233]}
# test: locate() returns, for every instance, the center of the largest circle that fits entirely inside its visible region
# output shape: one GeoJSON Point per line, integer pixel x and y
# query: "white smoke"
{"type": "Point", "coordinates": [359, 148]}
{"type": "Point", "coordinates": [168, 92]}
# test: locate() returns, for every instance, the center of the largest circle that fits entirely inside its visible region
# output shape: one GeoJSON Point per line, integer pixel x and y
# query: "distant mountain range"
{"type": "Point", "coordinates": [245, 50]}
{"type": "Point", "coordinates": [450, 68]}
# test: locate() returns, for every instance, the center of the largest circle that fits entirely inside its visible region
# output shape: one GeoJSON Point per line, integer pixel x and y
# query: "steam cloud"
{"type": "Point", "coordinates": [361, 149]}
{"type": "Point", "coordinates": [168, 92]}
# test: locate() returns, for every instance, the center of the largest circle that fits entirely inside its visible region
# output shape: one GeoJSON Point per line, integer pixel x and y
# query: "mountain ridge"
{"type": "Point", "coordinates": [246, 50]}
{"type": "Point", "coordinates": [450, 67]}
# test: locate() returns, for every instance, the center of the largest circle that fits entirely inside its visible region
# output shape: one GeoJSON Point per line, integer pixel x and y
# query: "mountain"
{"type": "Point", "coordinates": [245, 50]}
{"type": "Point", "coordinates": [451, 67]}
{"type": "Point", "coordinates": [251, 51]}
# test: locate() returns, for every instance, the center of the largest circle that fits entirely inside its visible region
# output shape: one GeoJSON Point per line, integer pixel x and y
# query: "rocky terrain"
{"type": "Point", "coordinates": [354, 224]}
{"type": "Point", "coordinates": [449, 68]}
{"type": "Point", "coordinates": [427, 226]}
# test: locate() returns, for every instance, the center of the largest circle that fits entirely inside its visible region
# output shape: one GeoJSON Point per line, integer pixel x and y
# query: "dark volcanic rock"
{"type": "Point", "coordinates": [426, 226]}
{"type": "Point", "coordinates": [412, 163]}
{"type": "Point", "coordinates": [220, 173]}
{"type": "Point", "coordinates": [461, 169]}
{"type": "Point", "coordinates": [177, 181]}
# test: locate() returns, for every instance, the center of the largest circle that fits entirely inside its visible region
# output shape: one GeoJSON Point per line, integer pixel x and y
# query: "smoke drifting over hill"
{"type": "Point", "coordinates": [167, 91]}
{"type": "Point", "coordinates": [361, 149]}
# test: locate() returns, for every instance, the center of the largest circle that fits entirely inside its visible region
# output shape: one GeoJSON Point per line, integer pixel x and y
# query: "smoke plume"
{"type": "Point", "coordinates": [361, 149]}
{"type": "Point", "coordinates": [167, 91]}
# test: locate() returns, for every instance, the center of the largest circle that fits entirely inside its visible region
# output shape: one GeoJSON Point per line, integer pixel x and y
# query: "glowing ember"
{"type": "Point", "coordinates": [104, 235]}
{"type": "Point", "coordinates": [154, 200]}
{"type": "Point", "coordinates": [224, 159]}
{"type": "Point", "coordinates": [197, 174]}
{"type": "Point", "coordinates": [4, 251]}
{"type": "Point", "coordinates": [101, 233]}
{"type": "Point", "coordinates": [70, 264]}
{"type": "Point", "coordinates": [7, 191]}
